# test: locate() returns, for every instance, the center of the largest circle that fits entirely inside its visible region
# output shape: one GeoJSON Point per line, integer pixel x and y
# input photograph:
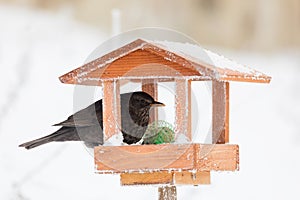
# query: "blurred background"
{"type": "Point", "coordinates": [43, 39]}
{"type": "Point", "coordinates": [263, 24]}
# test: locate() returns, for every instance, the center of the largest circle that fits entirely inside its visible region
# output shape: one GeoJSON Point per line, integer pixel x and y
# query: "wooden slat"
{"type": "Point", "coordinates": [165, 177]}
{"type": "Point", "coordinates": [182, 108]}
{"type": "Point", "coordinates": [142, 63]}
{"type": "Point", "coordinates": [111, 109]}
{"type": "Point", "coordinates": [122, 159]}
{"type": "Point", "coordinates": [189, 110]}
{"type": "Point", "coordinates": [220, 115]}
{"type": "Point", "coordinates": [146, 178]}
{"type": "Point", "coordinates": [190, 178]}
{"type": "Point", "coordinates": [227, 111]}
{"type": "Point", "coordinates": [218, 157]}
{"type": "Point", "coordinates": [167, 193]}
{"type": "Point", "coordinates": [150, 86]}
{"type": "Point", "coordinates": [234, 75]}
{"type": "Point", "coordinates": [166, 157]}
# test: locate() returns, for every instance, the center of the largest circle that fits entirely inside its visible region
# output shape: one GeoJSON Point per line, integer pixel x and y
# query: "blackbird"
{"type": "Point", "coordinates": [87, 124]}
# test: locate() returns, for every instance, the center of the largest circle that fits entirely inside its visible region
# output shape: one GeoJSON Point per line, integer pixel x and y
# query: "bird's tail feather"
{"type": "Point", "coordinates": [34, 143]}
{"type": "Point", "coordinates": [43, 140]}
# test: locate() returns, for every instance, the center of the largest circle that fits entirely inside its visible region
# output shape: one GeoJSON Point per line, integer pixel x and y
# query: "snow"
{"type": "Point", "coordinates": [181, 139]}
{"type": "Point", "coordinates": [37, 47]}
{"type": "Point", "coordinates": [116, 139]}
{"type": "Point", "coordinates": [221, 66]}
{"type": "Point", "coordinates": [200, 55]}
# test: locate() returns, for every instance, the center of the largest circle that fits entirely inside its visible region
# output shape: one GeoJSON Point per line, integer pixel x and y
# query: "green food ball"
{"type": "Point", "coordinates": [159, 132]}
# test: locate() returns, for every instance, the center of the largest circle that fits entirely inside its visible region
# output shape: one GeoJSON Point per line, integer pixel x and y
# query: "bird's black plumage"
{"type": "Point", "coordinates": [87, 124]}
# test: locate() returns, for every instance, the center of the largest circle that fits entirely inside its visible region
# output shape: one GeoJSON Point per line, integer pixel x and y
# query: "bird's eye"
{"type": "Point", "coordinates": [144, 103]}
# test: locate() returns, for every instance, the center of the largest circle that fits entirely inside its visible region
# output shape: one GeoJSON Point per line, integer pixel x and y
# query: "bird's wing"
{"type": "Point", "coordinates": [72, 123]}
{"type": "Point", "coordinates": [88, 116]}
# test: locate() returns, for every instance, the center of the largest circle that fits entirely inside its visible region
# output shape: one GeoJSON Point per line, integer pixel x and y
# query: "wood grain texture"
{"type": "Point", "coordinates": [183, 116]}
{"type": "Point", "coordinates": [144, 59]}
{"type": "Point", "coordinates": [166, 157]}
{"type": "Point", "coordinates": [120, 159]}
{"type": "Point", "coordinates": [189, 108]}
{"type": "Point", "coordinates": [220, 113]}
{"type": "Point", "coordinates": [111, 109]}
{"type": "Point", "coordinates": [142, 63]}
{"type": "Point", "coordinates": [148, 178]}
{"type": "Point", "coordinates": [227, 112]}
{"type": "Point", "coordinates": [167, 193]}
{"type": "Point", "coordinates": [218, 157]}
{"type": "Point", "coordinates": [190, 178]}
{"type": "Point", "coordinates": [165, 178]}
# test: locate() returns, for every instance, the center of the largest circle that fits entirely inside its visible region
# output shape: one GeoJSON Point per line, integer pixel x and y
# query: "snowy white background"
{"type": "Point", "coordinates": [37, 47]}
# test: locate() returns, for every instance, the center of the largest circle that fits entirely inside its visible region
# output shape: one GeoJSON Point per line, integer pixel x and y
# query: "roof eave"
{"type": "Point", "coordinates": [251, 79]}
{"type": "Point", "coordinates": [78, 75]}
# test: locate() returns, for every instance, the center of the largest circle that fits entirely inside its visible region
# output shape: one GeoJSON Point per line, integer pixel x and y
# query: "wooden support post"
{"type": "Point", "coordinates": [220, 118]}
{"type": "Point", "coordinates": [189, 106]}
{"type": "Point", "coordinates": [150, 86]}
{"type": "Point", "coordinates": [117, 105]}
{"type": "Point", "coordinates": [183, 115]}
{"type": "Point", "coordinates": [167, 193]}
{"type": "Point", "coordinates": [111, 108]}
{"type": "Point", "coordinates": [227, 113]}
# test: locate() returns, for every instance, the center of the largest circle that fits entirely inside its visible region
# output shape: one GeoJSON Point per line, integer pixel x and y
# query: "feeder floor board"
{"type": "Point", "coordinates": [166, 157]}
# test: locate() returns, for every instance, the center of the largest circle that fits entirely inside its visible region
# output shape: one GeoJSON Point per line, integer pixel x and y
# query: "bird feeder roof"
{"type": "Point", "coordinates": [142, 59]}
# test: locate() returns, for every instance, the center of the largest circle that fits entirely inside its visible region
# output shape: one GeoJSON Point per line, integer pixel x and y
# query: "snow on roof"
{"type": "Point", "coordinates": [200, 54]}
{"type": "Point", "coordinates": [209, 64]}
{"type": "Point", "coordinates": [223, 68]}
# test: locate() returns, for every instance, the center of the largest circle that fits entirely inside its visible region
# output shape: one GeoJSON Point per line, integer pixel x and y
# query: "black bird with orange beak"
{"type": "Point", "coordinates": [87, 124]}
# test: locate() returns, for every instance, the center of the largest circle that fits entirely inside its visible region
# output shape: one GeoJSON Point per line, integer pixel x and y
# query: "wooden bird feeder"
{"type": "Point", "coordinates": [151, 62]}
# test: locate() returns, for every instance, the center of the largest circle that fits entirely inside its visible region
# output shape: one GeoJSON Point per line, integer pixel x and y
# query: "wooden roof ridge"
{"type": "Point", "coordinates": [178, 54]}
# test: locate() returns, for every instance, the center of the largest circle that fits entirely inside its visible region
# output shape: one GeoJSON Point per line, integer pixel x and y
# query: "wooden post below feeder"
{"type": "Point", "coordinates": [167, 193]}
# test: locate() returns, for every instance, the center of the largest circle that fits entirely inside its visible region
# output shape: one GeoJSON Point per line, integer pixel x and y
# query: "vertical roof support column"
{"type": "Point", "coordinates": [183, 115]}
{"type": "Point", "coordinates": [220, 118]}
{"type": "Point", "coordinates": [111, 108]}
{"type": "Point", "coordinates": [150, 86]}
